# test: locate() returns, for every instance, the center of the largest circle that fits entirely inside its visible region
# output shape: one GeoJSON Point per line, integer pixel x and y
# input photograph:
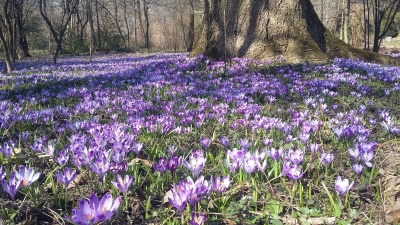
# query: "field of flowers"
{"type": "Point", "coordinates": [167, 139]}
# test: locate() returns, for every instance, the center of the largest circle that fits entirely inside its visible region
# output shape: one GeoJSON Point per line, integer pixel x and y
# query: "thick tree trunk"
{"type": "Point", "coordinates": [191, 26]}
{"type": "Point", "coordinates": [267, 29]}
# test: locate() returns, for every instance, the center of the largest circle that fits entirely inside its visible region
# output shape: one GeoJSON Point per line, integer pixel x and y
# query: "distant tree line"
{"type": "Point", "coordinates": [87, 26]}
{"type": "Point", "coordinates": [362, 23]}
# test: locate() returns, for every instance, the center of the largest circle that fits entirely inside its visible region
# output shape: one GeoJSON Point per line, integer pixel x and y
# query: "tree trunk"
{"type": "Point", "coordinates": [91, 24]}
{"type": "Point", "coordinates": [191, 26]}
{"type": "Point", "coordinates": [57, 32]}
{"type": "Point", "coordinates": [383, 11]}
{"type": "Point", "coordinates": [365, 25]}
{"type": "Point", "coordinates": [127, 27]}
{"type": "Point", "coordinates": [346, 22]}
{"type": "Point", "coordinates": [98, 24]}
{"type": "Point", "coordinates": [22, 42]}
{"type": "Point", "coordinates": [6, 52]}
{"type": "Point", "coordinates": [266, 29]}
{"type": "Point", "coordinates": [377, 26]}
{"type": "Point", "coordinates": [147, 23]}
{"type": "Point", "coordinates": [58, 48]}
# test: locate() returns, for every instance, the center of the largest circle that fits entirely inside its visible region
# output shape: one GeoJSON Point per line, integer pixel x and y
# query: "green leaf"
{"type": "Point", "coordinates": [343, 222]}
{"type": "Point", "coordinates": [353, 213]}
{"type": "Point", "coordinates": [275, 222]}
{"type": "Point", "coordinates": [274, 207]}
{"type": "Point", "coordinates": [254, 219]}
{"type": "Point", "coordinates": [315, 212]}
{"type": "Point", "coordinates": [304, 210]}
{"type": "Point", "coordinates": [337, 213]}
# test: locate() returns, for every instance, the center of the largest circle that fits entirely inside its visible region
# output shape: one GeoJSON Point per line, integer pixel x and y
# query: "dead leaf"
{"type": "Point", "coordinates": [229, 222]}
{"type": "Point", "coordinates": [166, 196]}
{"type": "Point", "coordinates": [393, 216]}
{"type": "Point", "coordinates": [77, 179]}
{"type": "Point", "coordinates": [137, 160]}
{"type": "Point", "coordinates": [393, 210]}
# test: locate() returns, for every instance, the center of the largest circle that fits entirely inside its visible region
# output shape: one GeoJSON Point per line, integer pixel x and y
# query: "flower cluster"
{"type": "Point", "coordinates": [22, 178]}
{"type": "Point", "coordinates": [362, 153]}
{"type": "Point", "coordinates": [249, 162]}
{"type": "Point", "coordinates": [95, 211]}
{"type": "Point", "coordinates": [191, 192]}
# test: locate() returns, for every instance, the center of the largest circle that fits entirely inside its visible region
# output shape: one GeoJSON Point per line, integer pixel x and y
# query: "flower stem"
{"type": "Point", "coordinates": [65, 197]}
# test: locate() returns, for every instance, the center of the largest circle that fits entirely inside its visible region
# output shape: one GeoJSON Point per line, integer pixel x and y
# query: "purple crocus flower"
{"type": "Point", "coordinates": [161, 165]}
{"type": "Point", "coordinates": [234, 159]}
{"type": "Point", "coordinates": [326, 158]}
{"type": "Point", "coordinates": [244, 144]}
{"type": "Point", "coordinates": [220, 184]}
{"type": "Point", "coordinates": [224, 141]}
{"type": "Point", "coordinates": [101, 165]}
{"type": "Point", "coordinates": [303, 137]}
{"type": "Point", "coordinates": [173, 163]}
{"type": "Point", "coordinates": [275, 154]}
{"type": "Point", "coordinates": [205, 143]}
{"type": "Point", "coordinates": [137, 147]}
{"type": "Point", "coordinates": [107, 206]}
{"type": "Point", "coordinates": [267, 141]}
{"type": "Point", "coordinates": [62, 158]}
{"type": "Point", "coordinates": [342, 186]}
{"type": "Point", "coordinates": [123, 184]}
{"type": "Point", "coordinates": [95, 211]}
{"type": "Point", "coordinates": [296, 156]}
{"type": "Point", "coordinates": [180, 194]}
{"type": "Point", "coordinates": [338, 131]}
{"type": "Point", "coordinates": [13, 186]}
{"type": "Point", "coordinates": [84, 215]}
{"type": "Point", "coordinates": [354, 153]}
{"type": "Point", "coordinates": [172, 150]}
{"type": "Point", "coordinates": [366, 157]}
{"type": "Point", "coordinates": [314, 147]}
{"type": "Point", "coordinates": [290, 138]}
{"type": "Point", "coordinates": [6, 149]}
{"type": "Point", "coordinates": [197, 190]}
{"type": "Point", "coordinates": [196, 162]}
{"type": "Point", "coordinates": [292, 171]}
{"type": "Point", "coordinates": [358, 168]}
{"type": "Point", "coordinates": [250, 163]}
{"type": "Point", "coordinates": [27, 176]}
{"type": "Point", "coordinates": [366, 146]}
{"type": "Point", "coordinates": [67, 177]}
{"type": "Point", "coordinates": [197, 220]}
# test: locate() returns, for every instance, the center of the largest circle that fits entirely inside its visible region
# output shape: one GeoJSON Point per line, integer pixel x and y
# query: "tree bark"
{"type": "Point", "coordinates": [5, 48]}
{"type": "Point", "coordinates": [147, 23]}
{"type": "Point", "coordinates": [191, 26]}
{"type": "Point", "coordinates": [267, 29]}
{"type": "Point", "coordinates": [98, 24]}
{"type": "Point", "coordinates": [91, 24]}
{"type": "Point", "coordinates": [22, 42]}
{"type": "Point", "coordinates": [139, 11]}
{"type": "Point", "coordinates": [127, 27]}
